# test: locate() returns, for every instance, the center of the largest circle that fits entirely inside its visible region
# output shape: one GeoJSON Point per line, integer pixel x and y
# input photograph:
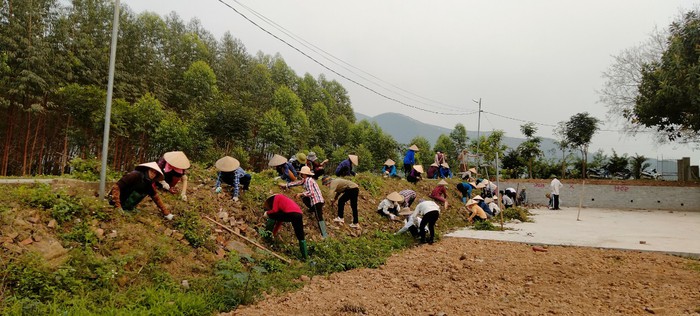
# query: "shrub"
{"type": "Point", "coordinates": [484, 225]}
{"type": "Point", "coordinates": [516, 212]}
{"type": "Point", "coordinates": [85, 169]}
{"type": "Point", "coordinates": [191, 226]}
{"type": "Point", "coordinates": [39, 195]}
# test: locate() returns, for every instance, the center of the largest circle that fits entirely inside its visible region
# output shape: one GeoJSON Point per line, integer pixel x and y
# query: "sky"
{"type": "Point", "coordinates": [538, 60]}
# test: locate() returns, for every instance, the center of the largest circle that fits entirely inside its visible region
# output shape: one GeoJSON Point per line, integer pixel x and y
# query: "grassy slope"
{"type": "Point", "coordinates": [136, 262]}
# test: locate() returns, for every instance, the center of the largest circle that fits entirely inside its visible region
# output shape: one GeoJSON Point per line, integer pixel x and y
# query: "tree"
{"type": "Point", "coordinates": [274, 132]}
{"type": "Point", "coordinates": [579, 131]}
{"type": "Point", "coordinates": [200, 85]}
{"type": "Point", "coordinates": [563, 145]}
{"type": "Point", "coordinates": [617, 163]}
{"type": "Point", "coordinates": [459, 137]}
{"type": "Point", "coordinates": [638, 164]}
{"type": "Point", "coordinates": [489, 146]}
{"type": "Point", "coordinates": [669, 92]}
{"type": "Point", "coordinates": [513, 166]}
{"type": "Point", "coordinates": [424, 155]}
{"type": "Point", "coordinates": [530, 148]}
{"type": "Point", "coordinates": [322, 129]}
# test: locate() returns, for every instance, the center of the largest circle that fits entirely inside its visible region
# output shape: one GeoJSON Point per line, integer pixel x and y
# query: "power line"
{"type": "Point", "coordinates": [334, 71]}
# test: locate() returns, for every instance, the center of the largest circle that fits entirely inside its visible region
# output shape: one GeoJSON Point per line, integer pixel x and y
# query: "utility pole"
{"type": "Point", "coordinates": [478, 135]}
{"type": "Point", "coordinates": [108, 107]}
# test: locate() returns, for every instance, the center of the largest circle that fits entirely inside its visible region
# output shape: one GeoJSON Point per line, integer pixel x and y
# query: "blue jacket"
{"type": "Point", "coordinates": [410, 157]}
{"type": "Point", "coordinates": [392, 170]}
{"type": "Point", "coordinates": [344, 169]}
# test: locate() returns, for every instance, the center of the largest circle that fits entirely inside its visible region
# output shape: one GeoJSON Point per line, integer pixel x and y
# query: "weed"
{"type": "Point", "coordinates": [191, 226]}
{"type": "Point", "coordinates": [64, 209]}
{"type": "Point", "coordinates": [334, 255]}
{"type": "Point", "coordinates": [82, 234]}
{"type": "Point", "coordinates": [39, 195]}
{"type": "Point", "coordinates": [85, 169]}
{"type": "Point", "coordinates": [518, 213]}
{"type": "Point", "coordinates": [370, 183]}
{"type": "Point", "coordinates": [483, 225]}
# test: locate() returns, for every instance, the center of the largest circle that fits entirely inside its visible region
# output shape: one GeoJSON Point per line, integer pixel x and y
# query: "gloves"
{"type": "Point", "coordinates": [218, 190]}
{"type": "Point", "coordinates": [183, 197]}
{"type": "Point", "coordinates": [235, 198]}
{"type": "Point", "coordinates": [169, 217]}
{"type": "Point", "coordinates": [265, 214]}
{"type": "Point", "coordinates": [165, 185]}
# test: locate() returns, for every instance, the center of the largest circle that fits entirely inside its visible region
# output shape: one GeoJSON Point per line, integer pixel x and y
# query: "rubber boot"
{"type": "Point", "coordinates": [322, 226]}
{"type": "Point", "coordinates": [302, 248]}
{"type": "Point", "coordinates": [269, 226]}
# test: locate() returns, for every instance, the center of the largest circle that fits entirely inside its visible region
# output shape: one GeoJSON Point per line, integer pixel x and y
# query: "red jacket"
{"type": "Point", "coordinates": [284, 204]}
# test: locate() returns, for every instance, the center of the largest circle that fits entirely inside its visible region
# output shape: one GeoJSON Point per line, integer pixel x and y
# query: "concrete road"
{"type": "Point", "coordinates": [663, 231]}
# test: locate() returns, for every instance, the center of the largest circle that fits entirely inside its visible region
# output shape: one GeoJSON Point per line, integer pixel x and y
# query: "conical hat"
{"type": "Point", "coordinates": [395, 196]}
{"type": "Point", "coordinates": [488, 200]}
{"type": "Point", "coordinates": [154, 166]}
{"type": "Point", "coordinates": [227, 164]}
{"type": "Point", "coordinates": [442, 182]}
{"type": "Point", "coordinates": [472, 202]}
{"type": "Point", "coordinates": [406, 211]}
{"type": "Point", "coordinates": [445, 165]}
{"type": "Point", "coordinates": [473, 170]}
{"type": "Point", "coordinates": [480, 186]}
{"type": "Point", "coordinates": [434, 165]}
{"type": "Point", "coordinates": [473, 184]}
{"type": "Point", "coordinates": [477, 197]}
{"type": "Point", "coordinates": [389, 162]}
{"type": "Point", "coordinates": [353, 159]}
{"type": "Point", "coordinates": [414, 148]}
{"type": "Point", "coordinates": [418, 168]}
{"type": "Point", "coordinates": [177, 159]}
{"type": "Point", "coordinates": [306, 170]}
{"type": "Point", "coordinates": [277, 160]}
{"type": "Point", "coordinates": [301, 157]}
{"type": "Point", "coordinates": [485, 182]}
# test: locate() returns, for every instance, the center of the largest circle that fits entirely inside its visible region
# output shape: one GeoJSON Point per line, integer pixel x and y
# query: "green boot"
{"type": "Point", "coordinates": [322, 226]}
{"type": "Point", "coordinates": [302, 248]}
{"type": "Point", "coordinates": [269, 226]}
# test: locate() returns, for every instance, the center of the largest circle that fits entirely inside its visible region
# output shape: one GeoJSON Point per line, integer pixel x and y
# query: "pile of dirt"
{"type": "Point", "coordinates": [474, 277]}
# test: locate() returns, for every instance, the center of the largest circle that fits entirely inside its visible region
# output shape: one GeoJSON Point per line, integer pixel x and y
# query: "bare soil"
{"type": "Point", "coordinates": [476, 277]}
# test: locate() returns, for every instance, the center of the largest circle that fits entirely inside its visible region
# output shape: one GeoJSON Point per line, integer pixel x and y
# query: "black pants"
{"type": "Point", "coordinates": [407, 169]}
{"type": "Point", "coordinates": [295, 218]}
{"type": "Point", "coordinates": [349, 195]}
{"type": "Point", "coordinates": [555, 205]}
{"type": "Point", "coordinates": [245, 181]}
{"type": "Point", "coordinates": [393, 210]}
{"type": "Point", "coordinates": [429, 219]}
{"type": "Point", "coordinates": [465, 190]}
{"type": "Point", "coordinates": [316, 208]}
{"type": "Point", "coordinates": [411, 179]}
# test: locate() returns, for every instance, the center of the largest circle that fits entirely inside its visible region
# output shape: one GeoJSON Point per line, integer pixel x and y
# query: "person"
{"type": "Point", "coordinates": [439, 157]}
{"type": "Point", "coordinates": [318, 168]}
{"type": "Point", "coordinates": [445, 171]}
{"type": "Point", "coordinates": [311, 197]}
{"type": "Point", "coordinates": [173, 165]}
{"type": "Point", "coordinates": [231, 173]}
{"type": "Point", "coordinates": [344, 169]}
{"type": "Point", "coordinates": [548, 195]}
{"type": "Point", "coordinates": [343, 191]}
{"type": "Point", "coordinates": [466, 189]}
{"type": "Point", "coordinates": [506, 199]}
{"type": "Point", "coordinates": [409, 223]}
{"type": "Point", "coordinates": [475, 211]}
{"type": "Point", "coordinates": [284, 169]}
{"type": "Point", "coordinates": [415, 174]}
{"type": "Point", "coordinates": [470, 174]}
{"type": "Point", "coordinates": [511, 193]}
{"type": "Point", "coordinates": [492, 205]}
{"type": "Point", "coordinates": [409, 159]}
{"type": "Point", "coordinates": [389, 168]}
{"type": "Point", "coordinates": [390, 206]}
{"type": "Point", "coordinates": [522, 197]}
{"type": "Point", "coordinates": [135, 185]}
{"type": "Point", "coordinates": [433, 171]}
{"type": "Point", "coordinates": [281, 209]}
{"type": "Point", "coordinates": [555, 186]}
{"type": "Point", "coordinates": [408, 197]}
{"type": "Point", "coordinates": [429, 212]}
{"type": "Point", "coordinates": [298, 161]}
{"type": "Point", "coordinates": [439, 194]}
{"type": "Point", "coordinates": [463, 158]}
{"type": "Point", "coordinates": [489, 189]}
{"type": "Point", "coordinates": [483, 205]}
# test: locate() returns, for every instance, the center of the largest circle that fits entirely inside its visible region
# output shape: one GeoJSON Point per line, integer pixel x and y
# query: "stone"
{"type": "Point", "coordinates": [168, 232]}
{"type": "Point", "coordinates": [220, 253]}
{"type": "Point", "coordinates": [100, 233]}
{"type": "Point", "coordinates": [37, 237]}
{"type": "Point", "coordinates": [463, 256]}
{"type": "Point", "coordinates": [34, 219]}
{"type": "Point", "coordinates": [12, 235]}
{"type": "Point", "coordinates": [24, 235]}
{"type": "Point", "coordinates": [112, 234]}
{"type": "Point", "coordinates": [238, 247]}
{"type": "Point", "coordinates": [12, 248]}
{"type": "Point", "coordinates": [26, 241]}
{"type": "Point", "coordinates": [223, 215]}
{"type": "Point", "coordinates": [178, 235]}
{"type": "Point", "coordinates": [20, 223]}
{"type": "Point", "coordinates": [185, 284]}
{"type": "Point", "coordinates": [51, 224]}
{"type": "Point", "coordinates": [304, 278]}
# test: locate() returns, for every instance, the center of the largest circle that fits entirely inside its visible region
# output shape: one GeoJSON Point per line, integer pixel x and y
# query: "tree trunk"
{"type": "Point", "coordinates": [8, 141]}
{"type": "Point", "coordinates": [41, 151]}
{"type": "Point", "coordinates": [36, 136]}
{"type": "Point", "coordinates": [64, 157]}
{"type": "Point", "coordinates": [28, 128]}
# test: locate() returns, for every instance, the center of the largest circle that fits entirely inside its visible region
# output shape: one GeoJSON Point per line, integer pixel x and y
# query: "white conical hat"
{"type": "Point", "coordinates": [353, 159]}
{"type": "Point", "coordinates": [473, 170]}
{"type": "Point", "coordinates": [389, 162]}
{"type": "Point", "coordinates": [434, 164]}
{"type": "Point", "coordinates": [442, 182]}
{"type": "Point", "coordinates": [395, 196]}
{"type": "Point", "coordinates": [277, 160]}
{"type": "Point", "coordinates": [406, 211]}
{"type": "Point", "coordinates": [227, 164]}
{"type": "Point", "coordinates": [414, 148]}
{"type": "Point", "coordinates": [177, 159]}
{"type": "Point", "coordinates": [477, 197]}
{"type": "Point", "coordinates": [306, 170]}
{"type": "Point", "coordinates": [154, 166]}
{"type": "Point", "coordinates": [445, 165]}
{"type": "Point", "coordinates": [418, 168]}
{"type": "Point", "coordinates": [472, 202]}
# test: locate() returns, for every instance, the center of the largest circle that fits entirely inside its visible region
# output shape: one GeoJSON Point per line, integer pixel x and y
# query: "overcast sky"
{"type": "Point", "coordinates": [539, 61]}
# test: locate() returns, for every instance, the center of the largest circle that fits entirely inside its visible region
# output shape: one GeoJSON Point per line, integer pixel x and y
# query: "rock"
{"type": "Point", "coordinates": [24, 236]}
{"type": "Point", "coordinates": [100, 233]}
{"type": "Point", "coordinates": [185, 284]}
{"type": "Point", "coordinates": [12, 235]}
{"type": "Point", "coordinates": [238, 247]}
{"type": "Point", "coordinates": [51, 224]}
{"type": "Point", "coordinates": [441, 314]}
{"type": "Point", "coordinates": [516, 221]}
{"type": "Point", "coordinates": [304, 278]}
{"type": "Point", "coordinates": [642, 242]}
{"type": "Point", "coordinates": [178, 235]}
{"type": "Point", "coordinates": [113, 234]}
{"type": "Point", "coordinates": [220, 253]}
{"type": "Point", "coordinates": [34, 219]}
{"type": "Point", "coordinates": [223, 215]}
{"type": "Point", "coordinates": [12, 248]}
{"type": "Point", "coordinates": [20, 223]}
{"type": "Point", "coordinates": [538, 249]}
{"type": "Point", "coordinates": [463, 256]}
{"type": "Point", "coordinates": [168, 232]}
{"type": "Point", "coordinates": [36, 237]}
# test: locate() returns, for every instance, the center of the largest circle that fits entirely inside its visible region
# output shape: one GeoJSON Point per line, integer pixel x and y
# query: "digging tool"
{"type": "Point", "coordinates": [248, 240]}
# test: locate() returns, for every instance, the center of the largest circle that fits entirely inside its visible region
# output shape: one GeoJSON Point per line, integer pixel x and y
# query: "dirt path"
{"type": "Point", "coordinates": [476, 277]}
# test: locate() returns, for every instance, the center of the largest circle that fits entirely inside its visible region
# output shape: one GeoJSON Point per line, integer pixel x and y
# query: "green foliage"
{"type": "Point", "coordinates": [342, 254]}
{"type": "Point", "coordinates": [516, 212]}
{"type": "Point", "coordinates": [192, 227]}
{"type": "Point", "coordinates": [275, 132]}
{"type": "Point", "coordinates": [459, 137]}
{"type": "Point", "coordinates": [30, 277]}
{"type": "Point", "coordinates": [64, 209]}
{"type": "Point", "coordinates": [617, 163]}
{"type": "Point", "coordinates": [39, 195]}
{"type": "Point", "coordinates": [445, 144]}
{"type": "Point", "coordinates": [638, 164]}
{"type": "Point", "coordinates": [488, 147]}
{"type": "Point", "coordinates": [82, 234]}
{"type": "Point", "coordinates": [579, 131]}
{"type": "Point", "coordinates": [85, 169]}
{"type": "Point", "coordinates": [483, 225]}
{"type": "Point", "coordinates": [369, 183]}
{"type": "Point", "coordinates": [529, 150]}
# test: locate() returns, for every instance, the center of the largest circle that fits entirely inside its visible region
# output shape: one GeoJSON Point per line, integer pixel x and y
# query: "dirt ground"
{"type": "Point", "coordinates": [475, 277]}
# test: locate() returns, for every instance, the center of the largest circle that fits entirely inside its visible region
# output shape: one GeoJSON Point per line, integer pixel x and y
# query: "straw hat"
{"type": "Point", "coordinates": [442, 182]}
{"type": "Point", "coordinates": [151, 165]}
{"type": "Point", "coordinates": [405, 211]}
{"type": "Point", "coordinates": [473, 170]}
{"type": "Point", "coordinates": [434, 165]}
{"type": "Point", "coordinates": [177, 159]}
{"type": "Point", "coordinates": [395, 196]}
{"type": "Point", "coordinates": [473, 184]}
{"type": "Point", "coordinates": [471, 202]}
{"type": "Point", "coordinates": [277, 160]}
{"type": "Point", "coordinates": [353, 159]}
{"type": "Point", "coordinates": [301, 157]}
{"type": "Point", "coordinates": [414, 148]}
{"type": "Point", "coordinates": [311, 156]}
{"type": "Point", "coordinates": [445, 165]}
{"type": "Point", "coordinates": [227, 164]}
{"type": "Point", "coordinates": [418, 168]}
{"type": "Point", "coordinates": [488, 200]}
{"type": "Point", "coordinates": [389, 162]}
{"type": "Point", "coordinates": [477, 197]}
{"type": "Point", "coordinates": [306, 170]}
{"type": "Point", "coordinates": [485, 182]}
{"type": "Point", "coordinates": [480, 186]}
{"type": "Point", "coordinates": [326, 180]}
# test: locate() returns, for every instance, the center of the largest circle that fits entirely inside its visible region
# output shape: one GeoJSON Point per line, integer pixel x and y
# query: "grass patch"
{"type": "Point", "coordinates": [516, 212]}
{"type": "Point", "coordinates": [484, 225]}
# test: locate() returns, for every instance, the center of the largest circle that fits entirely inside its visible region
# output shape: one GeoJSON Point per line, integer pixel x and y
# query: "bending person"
{"type": "Point", "coordinates": [348, 191]}
{"type": "Point", "coordinates": [231, 173]}
{"type": "Point", "coordinates": [173, 165]}
{"type": "Point", "coordinates": [280, 209]}
{"type": "Point", "coordinates": [135, 185]}
{"type": "Point", "coordinates": [311, 197]}
{"type": "Point", "coordinates": [344, 169]}
{"type": "Point", "coordinates": [429, 211]}
{"type": "Point", "coordinates": [389, 206]}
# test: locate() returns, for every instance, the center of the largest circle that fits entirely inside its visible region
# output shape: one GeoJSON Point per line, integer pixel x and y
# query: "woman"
{"type": "Point", "coordinates": [135, 185]}
{"type": "Point", "coordinates": [409, 159]}
{"type": "Point", "coordinates": [284, 169]}
{"type": "Point", "coordinates": [280, 209]}
{"type": "Point", "coordinates": [344, 169]}
{"type": "Point", "coordinates": [475, 212]}
{"type": "Point", "coordinates": [465, 188]}
{"type": "Point", "coordinates": [410, 223]}
{"type": "Point", "coordinates": [347, 191]}
{"type": "Point", "coordinates": [445, 171]}
{"type": "Point", "coordinates": [429, 211]}
{"type": "Point", "coordinates": [318, 168]}
{"type": "Point", "coordinates": [389, 169]}
{"type": "Point", "coordinates": [415, 174]}
{"type": "Point", "coordinates": [231, 173]}
{"type": "Point", "coordinates": [439, 194]}
{"type": "Point", "coordinates": [389, 207]}
{"type": "Point", "coordinates": [173, 165]}
{"type": "Point", "coordinates": [433, 171]}
{"type": "Point", "coordinates": [408, 197]}
{"type": "Point", "coordinates": [482, 204]}
{"type": "Point", "coordinates": [311, 197]}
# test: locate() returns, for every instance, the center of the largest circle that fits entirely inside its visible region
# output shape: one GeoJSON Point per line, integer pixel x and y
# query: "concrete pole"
{"type": "Point", "coordinates": [108, 107]}
{"type": "Point", "coordinates": [478, 136]}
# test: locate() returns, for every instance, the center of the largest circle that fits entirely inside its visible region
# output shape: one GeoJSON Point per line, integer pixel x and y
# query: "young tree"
{"type": "Point", "coordinates": [529, 150]}
{"type": "Point", "coordinates": [579, 132]}
{"type": "Point", "coordinates": [638, 164]}
{"type": "Point", "coordinates": [459, 137]}
{"type": "Point", "coordinates": [617, 163]}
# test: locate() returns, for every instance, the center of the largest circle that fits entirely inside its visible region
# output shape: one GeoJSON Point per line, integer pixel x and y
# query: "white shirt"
{"type": "Point", "coordinates": [507, 200]}
{"type": "Point", "coordinates": [423, 208]}
{"type": "Point", "coordinates": [494, 208]}
{"type": "Point", "coordinates": [510, 190]}
{"type": "Point", "coordinates": [385, 205]}
{"type": "Point", "coordinates": [555, 185]}
{"type": "Point", "coordinates": [411, 222]}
